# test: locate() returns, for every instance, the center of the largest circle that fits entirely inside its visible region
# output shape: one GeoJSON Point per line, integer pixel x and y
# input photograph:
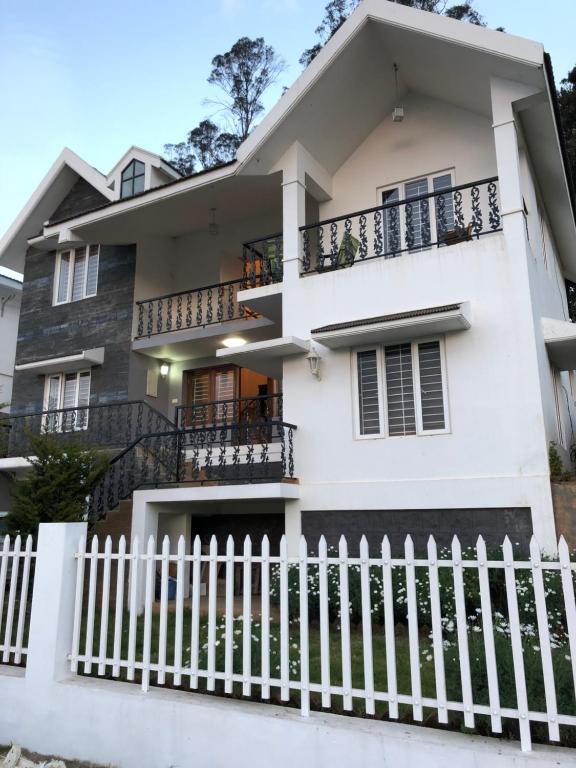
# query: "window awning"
{"type": "Point", "coordinates": [85, 359]}
{"type": "Point", "coordinates": [398, 327]}
{"type": "Point", "coordinates": [560, 340]}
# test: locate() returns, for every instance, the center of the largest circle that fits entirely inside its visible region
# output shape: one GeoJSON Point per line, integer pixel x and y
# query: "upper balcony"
{"type": "Point", "coordinates": [438, 219]}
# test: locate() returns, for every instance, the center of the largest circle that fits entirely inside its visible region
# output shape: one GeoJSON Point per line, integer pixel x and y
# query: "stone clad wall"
{"type": "Point", "coordinates": [104, 320]}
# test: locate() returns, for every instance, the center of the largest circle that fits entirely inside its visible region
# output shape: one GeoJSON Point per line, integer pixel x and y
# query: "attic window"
{"type": "Point", "coordinates": [132, 179]}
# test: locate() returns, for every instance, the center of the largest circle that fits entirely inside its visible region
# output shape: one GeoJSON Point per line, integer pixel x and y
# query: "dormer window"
{"type": "Point", "coordinates": [132, 179]}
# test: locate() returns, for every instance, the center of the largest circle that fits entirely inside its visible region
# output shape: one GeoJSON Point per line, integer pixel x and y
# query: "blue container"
{"type": "Point", "coordinates": [171, 588]}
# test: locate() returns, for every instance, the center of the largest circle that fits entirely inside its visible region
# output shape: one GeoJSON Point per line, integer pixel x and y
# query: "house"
{"type": "Point", "coordinates": [10, 297]}
{"type": "Point", "coordinates": [358, 326]}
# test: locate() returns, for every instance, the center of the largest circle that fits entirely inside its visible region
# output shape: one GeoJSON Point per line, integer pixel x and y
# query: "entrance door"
{"type": "Point", "coordinates": [228, 394]}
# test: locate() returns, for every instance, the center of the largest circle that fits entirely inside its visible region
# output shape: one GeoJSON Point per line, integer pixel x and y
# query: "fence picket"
{"type": "Point", "coordinates": [229, 625]}
{"type": "Point", "coordinates": [148, 601]}
{"type": "Point", "coordinates": [23, 601]}
{"type": "Point", "coordinates": [212, 597]}
{"type": "Point", "coordinates": [88, 648]}
{"type": "Point", "coordinates": [195, 618]}
{"type": "Point", "coordinates": [544, 639]}
{"type": "Point", "coordinates": [324, 622]}
{"type": "Point", "coordinates": [345, 625]}
{"type": "Point", "coordinates": [516, 641]}
{"type": "Point", "coordinates": [437, 639]}
{"type": "Point", "coordinates": [304, 649]}
{"type": "Point", "coordinates": [11, 599]}
{"type": "Point", "coordinates": [284, 623]}
{"type": "Point", "coordinates": [3, 577]}
{"type": "Point", "coordinates": [119, 607]}
{"type": "Point", "coordinates": [162, 635]}
{"type": "Point", "coordinates": [389, 628]}
{"type": "Point", "coordinates": [462, 631]}
{"type": "Point", "coordinates": [133, 620]}
{"type": "Point", "coordinates": [104, 608]}
{"type": "Point", "coordinates": [569, 602]}
{"type": "Point", "coordinates": [367, 626]}
{"type": "Point", "coordinates": [247, 618]}
{"type": "Point", "coordinates": [265, 617]}
{"type": "Point", "coordinates": [78, 599]}
{"type": "Point", "coordinates": [179, 611]}
{"type": "Point", "coordinates": [488, 636]}
{"type": "Point", "coordinates": [412, 609]}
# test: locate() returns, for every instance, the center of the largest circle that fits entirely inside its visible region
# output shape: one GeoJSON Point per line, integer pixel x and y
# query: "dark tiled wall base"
{"type": "Point", "coordinates": [467, 524]}
{"type": "Point", "coordinates": [239, 526]}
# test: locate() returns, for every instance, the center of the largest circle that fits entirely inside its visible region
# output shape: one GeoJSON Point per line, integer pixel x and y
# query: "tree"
{"type": "Point", "coordinates": [56, 488]}
{"type": "Point", "coordinates": [212, 147]}
{"type": "Point", "coordinates": [244, 73]}
{"type": "Point", "coordinates": [567, 102]}
{"type": "Point", "coordinates": [181, 157]}
{"type": "Point", "coordinates": [337, 11]}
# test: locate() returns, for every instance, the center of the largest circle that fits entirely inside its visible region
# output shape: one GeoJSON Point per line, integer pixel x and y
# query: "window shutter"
{"type": "Point", "coordinates": [368, 393]}
{"type": "Point", "coordinates": [79, 274]}
{"type": "Point", "coordinates": [400, 390]}
{"type": "Point", "coordinates": [431, 392]}
{"type": "Point", "coordinates": [63, 277]}
{"type": "Point", "coordinates": [225, 389]}
{"type": "Point", "coordinates": [92, 276]}
{"type": "Point", "coordinates": [199, 395]}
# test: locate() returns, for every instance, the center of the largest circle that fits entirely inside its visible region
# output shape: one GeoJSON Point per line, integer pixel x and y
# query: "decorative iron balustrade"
{"type": "Point", "coordinates": [108, 425]}
{"type": "Point", "coordinates": [441, 218]}
{"type": "Point", "coordinates": [195, 308]}
{"type": "Point", "coordinates": [242, 410]}
{"type": "Point", "coordinates": [261, 451]}
{"type": "Point", "coordinates": [263, 261]}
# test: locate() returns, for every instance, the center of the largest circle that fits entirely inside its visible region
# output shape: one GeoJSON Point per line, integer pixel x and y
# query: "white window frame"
{"type": "Point", "coordinates": [401, 187]}
{"type": "Point", "coordinates": [61, 380]}
{"type": "Point", "coordinates": [72, 252]}
{"type": "Point", "coordinates": [383, 399]}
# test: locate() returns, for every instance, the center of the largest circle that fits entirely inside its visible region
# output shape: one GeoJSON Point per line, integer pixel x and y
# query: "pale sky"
{"type": "Point", "coordinates": [99, 77]}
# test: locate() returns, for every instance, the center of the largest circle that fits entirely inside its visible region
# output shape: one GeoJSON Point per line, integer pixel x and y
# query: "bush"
{"type": "Point", "coordinates": [57, 487]}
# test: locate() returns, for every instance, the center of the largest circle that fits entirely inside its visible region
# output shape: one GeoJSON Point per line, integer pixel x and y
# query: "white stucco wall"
{"type": "Point", "coordinates": [434, 136]}
{"type": "Point", "coordinates": [10, 300]}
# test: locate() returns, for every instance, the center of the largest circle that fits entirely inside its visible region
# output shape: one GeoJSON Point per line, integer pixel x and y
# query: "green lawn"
{"type": "Point", "coordinates": [563, 671]}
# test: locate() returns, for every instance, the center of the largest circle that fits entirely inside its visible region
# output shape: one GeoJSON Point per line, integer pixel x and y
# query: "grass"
{"type": "Point", "coordinates": [562, 667]}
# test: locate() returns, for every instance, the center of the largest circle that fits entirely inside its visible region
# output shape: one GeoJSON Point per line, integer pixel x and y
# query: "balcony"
{"type": "Point", "coordinates": [439, 219]}
{"type": "Point", "coordinates": [263, 261]}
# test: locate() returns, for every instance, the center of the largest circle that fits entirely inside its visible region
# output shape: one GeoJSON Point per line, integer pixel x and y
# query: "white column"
{"type": "Point", "coordinates": [52, 618]}
{"type": "Point", "coordinates": [527, 326]}
{"type": "Point", "coordinates": [144, 525]}
{"type": "Point", "coordinates": [175, 524]}
{"type": "Point", "coordinates": [293, 525]}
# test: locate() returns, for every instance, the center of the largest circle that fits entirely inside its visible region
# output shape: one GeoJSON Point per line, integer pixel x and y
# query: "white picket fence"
{"type": "Point", "coordinates": [15, 592]}
{"type": "Point", "coordinates": [114, 588]}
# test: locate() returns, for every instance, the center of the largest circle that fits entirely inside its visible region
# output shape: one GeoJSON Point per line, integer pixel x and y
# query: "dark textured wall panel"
{"type": "Point", "coordinates": [104, 320]}
{"type": "Point", "coordinates": [467, 524]}
{"type": "Point", "coordinates": [81, 198]}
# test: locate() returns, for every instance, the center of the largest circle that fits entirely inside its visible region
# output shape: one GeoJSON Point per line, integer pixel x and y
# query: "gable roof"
{"type": "Point", "coordinates": [61, 177]}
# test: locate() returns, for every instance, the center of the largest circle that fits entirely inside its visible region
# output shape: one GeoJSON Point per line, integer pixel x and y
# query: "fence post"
{"type": "Point", "coordinates": [53, 599]}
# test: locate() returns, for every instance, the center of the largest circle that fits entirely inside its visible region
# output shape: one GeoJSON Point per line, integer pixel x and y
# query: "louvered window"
{"type": "Point", "coordinates": [368, 392]}
{"type": "Point", "coordinates": [67, 396]}
{"type": "Point", "coordinates": [76, 274]}
{"type": "Point", "coordinates": [401, 389]}
{"type": "Point", "coordinates": [431, 389]}
{"type": "Point", "coordinates": [205, 386]}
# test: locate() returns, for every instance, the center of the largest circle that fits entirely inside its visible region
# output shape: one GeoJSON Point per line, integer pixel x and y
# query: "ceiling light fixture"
{"type": "Point", "coordinates": [398, 111]}
{"type": "Point", "coordinates": [234, 341]}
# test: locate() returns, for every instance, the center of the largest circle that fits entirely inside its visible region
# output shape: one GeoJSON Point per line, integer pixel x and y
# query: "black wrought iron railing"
{"type": "Point", "coordinates": [261, 451]}
{"type": "Point", "coordinates": [242, 410]}
{"type": "Point", "coordinates": [196, 308]}
{"type": "Point", "coordinates": [441, 218]}
{"type": "Point", "coordinates": [263, 260]}
{"type": "Point", "coordinates": [107, 425]}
